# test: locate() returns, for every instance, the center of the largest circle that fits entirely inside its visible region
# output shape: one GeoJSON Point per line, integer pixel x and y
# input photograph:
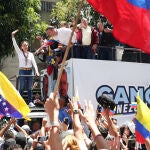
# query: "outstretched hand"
{"type": "Point", "coordinates": [52, 107]}
{"type": "Point", "coordinates": [89, 114]}
{"type": "Point", "coordinates": [14, 32]}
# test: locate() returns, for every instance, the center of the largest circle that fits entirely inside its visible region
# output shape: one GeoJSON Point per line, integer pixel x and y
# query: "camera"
{"type": "Point", "coordinates": [106, 102]}
{"type": "Point", "coordinates": [99, 108]}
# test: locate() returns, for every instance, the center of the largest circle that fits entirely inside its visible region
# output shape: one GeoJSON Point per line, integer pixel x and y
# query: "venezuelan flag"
{"type": "Point", "coordinates": [130, 18]}
{"type": "Point", "coordinates": [48, 43]}
{"type": "Point", "coordinates": [142, 121]}
{"type": "Point", "coordinates": [11, 103]}
{"type": "Point", "coordinates": [133, 105]}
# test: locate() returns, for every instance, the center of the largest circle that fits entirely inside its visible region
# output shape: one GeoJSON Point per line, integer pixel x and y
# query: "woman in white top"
{"type": "Point", "coordinates": [26, 64]}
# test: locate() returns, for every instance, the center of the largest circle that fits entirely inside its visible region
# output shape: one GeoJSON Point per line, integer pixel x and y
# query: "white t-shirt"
{"type": "Point", "coordinates": [63, 36]}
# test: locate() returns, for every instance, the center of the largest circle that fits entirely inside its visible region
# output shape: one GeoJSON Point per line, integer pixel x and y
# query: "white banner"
{"type": "Point", "coordinates": [121, 80]}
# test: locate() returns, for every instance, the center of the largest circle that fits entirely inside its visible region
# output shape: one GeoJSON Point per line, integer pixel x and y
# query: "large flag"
{"type": "Point", "coordinates": [130, 18]}
{"type": "Point", "coordinates": [11, 103]}
{"type": "Point", "coordinates": [142, 121]}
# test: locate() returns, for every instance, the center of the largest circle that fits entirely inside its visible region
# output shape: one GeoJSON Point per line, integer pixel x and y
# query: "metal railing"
{"type": "Point", "coordinates": [119, 53]}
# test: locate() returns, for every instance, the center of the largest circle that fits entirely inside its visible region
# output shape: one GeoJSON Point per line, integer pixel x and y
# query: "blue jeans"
{"type": "Point", "coordinates": [26, 82]}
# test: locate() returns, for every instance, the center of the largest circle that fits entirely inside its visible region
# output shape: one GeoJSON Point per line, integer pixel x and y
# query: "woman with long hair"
{"type": "Point", "coordinates": [26, 65]}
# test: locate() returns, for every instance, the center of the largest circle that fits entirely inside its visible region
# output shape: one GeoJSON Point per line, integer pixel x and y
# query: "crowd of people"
{"type": "Point", "coordinates": [87, 43]}
{"type": "Point", "coordinates": [71, 126]}
{"type": "Point", "coordinates": [82, 129]}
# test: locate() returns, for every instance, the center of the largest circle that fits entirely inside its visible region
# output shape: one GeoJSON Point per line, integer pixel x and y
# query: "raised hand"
{"type": "Point", "coordinates": [14, 32]}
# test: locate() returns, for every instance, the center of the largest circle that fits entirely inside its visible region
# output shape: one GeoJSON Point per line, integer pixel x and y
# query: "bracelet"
{"type": "Point", "coordinates": [75, 111]}
{"type": "Point", "coordinates": [97, 136]}
{"type": "Point", "coordinates": [53, 124]}
{"type": "Point", "coordinates": [58, 128]}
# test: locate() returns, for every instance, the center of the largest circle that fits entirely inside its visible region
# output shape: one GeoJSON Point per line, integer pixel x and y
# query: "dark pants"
{"type": "Point", "coordinates": [106, 53]}
{"type": "Point", "coordinates": [83, 52]}
{"type": "Point", "coordinates": [26, 83]}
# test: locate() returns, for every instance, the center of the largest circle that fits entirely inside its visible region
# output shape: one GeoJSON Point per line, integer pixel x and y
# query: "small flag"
{"type": "Point", "coordinates": [142, 121]}
{"type": "Point", "coordinates": [133, 105]}
{"type": "Point", "coordinates": [77, 99]}
{"type": "Point", "coordinates": [48, 43]}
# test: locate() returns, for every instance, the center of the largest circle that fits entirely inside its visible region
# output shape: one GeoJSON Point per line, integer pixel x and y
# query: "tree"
{"type": "Point", "coordinates": [66, 9]}
{"type": "Point", "coordinates": [22, 15]}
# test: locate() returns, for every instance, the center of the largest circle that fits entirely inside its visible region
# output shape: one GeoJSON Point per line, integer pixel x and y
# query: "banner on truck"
{"type": "Point", "coordinates": [120, 80]}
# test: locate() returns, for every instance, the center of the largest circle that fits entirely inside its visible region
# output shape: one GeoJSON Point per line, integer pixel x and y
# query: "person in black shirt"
{"type": "Point", "coordinates": [107, 51]}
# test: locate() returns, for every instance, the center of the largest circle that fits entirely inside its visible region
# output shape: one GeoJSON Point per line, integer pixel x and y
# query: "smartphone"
{"type": "Point", "coordinates": [42, 138]}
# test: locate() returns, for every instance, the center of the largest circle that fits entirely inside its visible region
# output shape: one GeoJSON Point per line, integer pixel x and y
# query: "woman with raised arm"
{"type": "Point", "coordinates": [26, 64]}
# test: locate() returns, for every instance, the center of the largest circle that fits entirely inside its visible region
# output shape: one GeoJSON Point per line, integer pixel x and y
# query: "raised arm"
{"type": "Point", "coordinates": [112, 129]}
{"type": "Point", "coordinates": [77, 127]}
{"type": "Point", "coordinates": [2, 131]}
{"type": "Point", "coordinates": [13, 33]}
{"type": "Point", "coordinates": [14, 41]}
{"type": "Point", "coordinates": [89, 119]}
{"type": "Point", "coordinates": [52, 109]}
{"type": "Point", "coordinates": [20, 129]}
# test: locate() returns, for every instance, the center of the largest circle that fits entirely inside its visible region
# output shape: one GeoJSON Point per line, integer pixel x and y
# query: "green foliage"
{"type": "Point", "coordinates": [66, 9]}
{"type": "Point", "coordinates": [22, 15]}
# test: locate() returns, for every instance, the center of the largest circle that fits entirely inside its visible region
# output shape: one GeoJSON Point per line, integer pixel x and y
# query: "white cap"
{"type": "Point", "coordinates": [26, 128]}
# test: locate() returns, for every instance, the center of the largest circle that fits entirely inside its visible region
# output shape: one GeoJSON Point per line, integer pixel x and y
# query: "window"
{"type": "Point", "coordinates": [47, 6]}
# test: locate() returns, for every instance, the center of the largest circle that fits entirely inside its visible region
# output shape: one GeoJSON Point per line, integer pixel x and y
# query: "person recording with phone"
{"type": "Point", "coordinates": [100, 119]}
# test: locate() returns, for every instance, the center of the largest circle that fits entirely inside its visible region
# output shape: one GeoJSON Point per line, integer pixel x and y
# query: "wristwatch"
{"type": "Point", "coordinates": [75, 111]}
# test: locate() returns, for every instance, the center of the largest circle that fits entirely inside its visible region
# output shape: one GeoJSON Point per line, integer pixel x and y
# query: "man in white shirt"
{"type": "Point", "coordinates": [88, 39]}
{"type": "Point", "coordinates": [62, 35]}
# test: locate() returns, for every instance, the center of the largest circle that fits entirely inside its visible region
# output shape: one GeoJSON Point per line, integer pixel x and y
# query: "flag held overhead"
{"type": "Point", "coordinates": [130, 18]}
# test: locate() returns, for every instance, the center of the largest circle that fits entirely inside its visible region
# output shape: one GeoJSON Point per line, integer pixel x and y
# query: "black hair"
{"type": "Point", "coordinates": [92, 146]}
{"type": "Point", "coordinates": [9, 134]}
{"type": "Point", "coordinates": [102, 130]}
{"type": "Point", "coordinates": [14, 146]}
{"type": "Point", "coordinates": [50, 28]}
{"type": "Point", "coordinates": [132, 142]}
{"type": "Point", "coordinates": [122, 128]}
{"type": "Point", "coordinates": [23, 42]}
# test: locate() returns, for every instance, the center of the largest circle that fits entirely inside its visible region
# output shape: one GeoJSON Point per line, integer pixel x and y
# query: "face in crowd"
{"type": "Point", "coordinates": [63, 85]}
{"type": "Point", "coordinates": [25, 46]}
{"type": "Point", "coordinates": [51, 32]}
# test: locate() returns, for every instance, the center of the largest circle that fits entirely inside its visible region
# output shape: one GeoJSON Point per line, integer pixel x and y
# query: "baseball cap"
{"type": "Point", "coordinates": [26, 128]}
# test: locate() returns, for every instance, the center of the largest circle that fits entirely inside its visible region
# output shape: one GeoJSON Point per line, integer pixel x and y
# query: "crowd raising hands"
{"type": "Point", "coordinates": [91, 130]}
